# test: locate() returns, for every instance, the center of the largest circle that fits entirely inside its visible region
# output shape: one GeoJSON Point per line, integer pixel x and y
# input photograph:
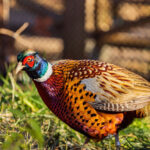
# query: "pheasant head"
{"type": "Point", "coordinates": [35, 66]}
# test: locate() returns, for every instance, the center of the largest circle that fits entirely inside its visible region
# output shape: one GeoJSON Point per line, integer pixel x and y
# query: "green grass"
{"type": "Point", "coordinates": [26, 123]}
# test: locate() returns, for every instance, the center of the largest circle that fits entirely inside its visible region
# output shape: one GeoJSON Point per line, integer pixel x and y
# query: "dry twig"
{"type": "Point", "coordinates": [16, 35]}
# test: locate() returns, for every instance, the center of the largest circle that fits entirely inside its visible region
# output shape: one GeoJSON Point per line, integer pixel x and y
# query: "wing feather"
{"type": "Point", "coordinates": [118, 90]}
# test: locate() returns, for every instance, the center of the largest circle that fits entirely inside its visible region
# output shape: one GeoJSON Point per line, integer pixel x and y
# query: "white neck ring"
{"type": "Point", "coordinates": [47, 74]}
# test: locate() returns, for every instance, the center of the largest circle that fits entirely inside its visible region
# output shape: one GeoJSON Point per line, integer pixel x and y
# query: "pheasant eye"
{"type": "Point", "coordinates": [29, 59]}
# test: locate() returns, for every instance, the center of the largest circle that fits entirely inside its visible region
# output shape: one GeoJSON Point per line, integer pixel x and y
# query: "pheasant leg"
{"type": "Point", "coordinates": [117, 142]}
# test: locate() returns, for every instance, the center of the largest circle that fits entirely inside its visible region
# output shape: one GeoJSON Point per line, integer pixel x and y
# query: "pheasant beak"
{"type": "Point", "coordinates": [19, 67]}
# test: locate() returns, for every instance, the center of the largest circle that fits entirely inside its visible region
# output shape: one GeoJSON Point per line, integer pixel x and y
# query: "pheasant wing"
{"type": "Point", "coordinates": [119, 90]}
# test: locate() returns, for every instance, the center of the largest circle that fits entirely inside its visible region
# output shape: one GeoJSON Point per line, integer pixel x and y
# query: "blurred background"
{"type": "Point", "coordinates": [115, 31]}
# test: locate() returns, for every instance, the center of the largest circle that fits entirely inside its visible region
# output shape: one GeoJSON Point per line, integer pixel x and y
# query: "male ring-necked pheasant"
{"type": "Point", "coordinates": [92, 97]}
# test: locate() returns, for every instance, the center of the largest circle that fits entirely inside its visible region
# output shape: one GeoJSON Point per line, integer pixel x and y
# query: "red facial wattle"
{"type": "Point", "coordinates": [29, 60]}
{"type": "Point", "coordinates": [30, 64]}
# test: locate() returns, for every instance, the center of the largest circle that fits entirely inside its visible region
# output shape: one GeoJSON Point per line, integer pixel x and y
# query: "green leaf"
{"type": "Point", "coordinates": [35, 131]}
{"type": "Point", "coordinates": [13, 142]}
{"type": "Point", "coordinates": [16, 113]}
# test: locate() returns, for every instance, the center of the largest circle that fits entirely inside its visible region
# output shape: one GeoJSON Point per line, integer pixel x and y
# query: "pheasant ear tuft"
{"type": "Point", "coordinates": [20, 56]}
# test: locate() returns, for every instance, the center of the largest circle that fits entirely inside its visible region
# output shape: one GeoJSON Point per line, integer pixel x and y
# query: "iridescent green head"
{"type": "Point", "coordinates": [35, 66]}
